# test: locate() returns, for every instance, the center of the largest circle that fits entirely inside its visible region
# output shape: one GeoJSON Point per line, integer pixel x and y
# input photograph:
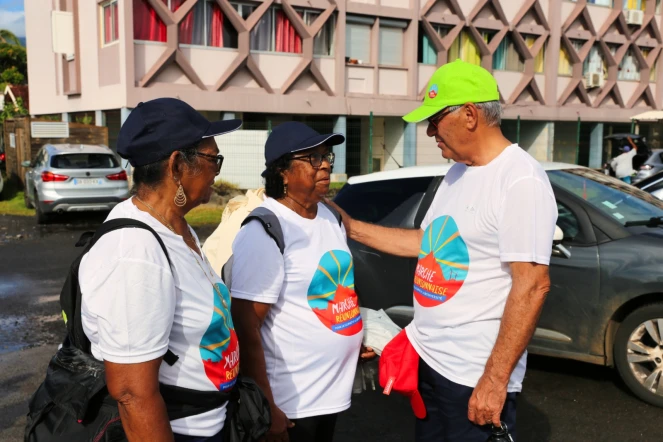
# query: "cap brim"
{"type": "Point", "coordinates": [222, 127]}
{"type": "Point", "coordinates": [422, 113]}
{"type": "Point", "coordinates": [329, 139]}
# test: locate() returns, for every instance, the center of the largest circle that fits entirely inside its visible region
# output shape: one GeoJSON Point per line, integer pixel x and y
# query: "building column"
{"type": "Point", "coordinates": [99, 118]}
{"type": "Point", "coordinates": [410, 145]}
{"type": "Point", "coordinates": [124, 114]}
{"type": "Point", "coordinates": [227, 115]}
{"type": "Point", "coordinates": [550, 150]}
{"type": "Point", "coordinates": [596, 146]}
{"type": "Point", "coordinates": [65, 116]}
{"type": "Point", "coordinates": [340, 127]}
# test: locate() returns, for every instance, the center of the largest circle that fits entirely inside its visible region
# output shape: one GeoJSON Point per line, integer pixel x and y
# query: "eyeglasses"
{"type": "Point", "coordinates": [316, 158]}
{"type": "Point", "coordinates": [435, 121]}
{"type": "Point", "coordinates": [218, 159]}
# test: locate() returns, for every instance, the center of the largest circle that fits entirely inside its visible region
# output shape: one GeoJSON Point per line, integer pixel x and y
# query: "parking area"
{"type": "Point", "coordinates": [562, 400]}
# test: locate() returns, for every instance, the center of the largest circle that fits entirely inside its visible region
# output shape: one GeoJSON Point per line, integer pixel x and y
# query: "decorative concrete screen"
{"type": "Point", "coordinates": [244, 157]}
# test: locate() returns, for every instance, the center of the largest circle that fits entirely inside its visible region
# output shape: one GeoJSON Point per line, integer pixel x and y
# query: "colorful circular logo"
{"type": "Point", "coordinates": [331, 294]}
{"type": "Point", "coordinates": [219, 347]}
{"type": "Point", "coordinates": [432, 92]}
{"type": "Point", "coordinates": [444, 262]}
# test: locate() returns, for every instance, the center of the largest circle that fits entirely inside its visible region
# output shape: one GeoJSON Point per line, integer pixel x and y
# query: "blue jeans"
{"type": "Point", "coordinates": [446, 411]}
{"type": "Point", "coordinates": [182, 438]}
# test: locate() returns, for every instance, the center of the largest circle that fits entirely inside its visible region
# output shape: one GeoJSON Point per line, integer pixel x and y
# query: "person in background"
{"type": "Point", "coordinates": [135, 306]}
{"type": "Point", "coordinates": [484, 248]}
{"type": "Point", "coordinates": [297, 313]}
{"type": "Point", "coordinates": [622, 164]}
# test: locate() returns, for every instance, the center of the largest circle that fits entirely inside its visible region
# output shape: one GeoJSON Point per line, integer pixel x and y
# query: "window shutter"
{"type": "Point", "coordinates": [358, 42]}
{"type": "Point", "coordinates": [391, 46]}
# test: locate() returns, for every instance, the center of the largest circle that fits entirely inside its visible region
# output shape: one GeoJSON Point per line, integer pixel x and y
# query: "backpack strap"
{"type": "Point", "coordinates": [270, 223]}
{"type": "Point", "coordinates": [334, 212]}
{"type": "Point", "coordinates": [88, 240]}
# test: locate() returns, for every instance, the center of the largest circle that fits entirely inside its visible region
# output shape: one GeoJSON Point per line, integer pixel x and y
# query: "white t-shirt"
{"type": "Point", "coordinates": [623, 164]}
{"type": "Point", "coordinates": [135, 307]}
{"type": "Point", "coordinates": [313, 331]}
{"type": "Point", "coordinates": [481, 219]}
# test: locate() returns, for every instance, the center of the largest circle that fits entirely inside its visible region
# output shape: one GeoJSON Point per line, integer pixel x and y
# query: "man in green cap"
{"type": "Point", "coordinates": [484, 248]}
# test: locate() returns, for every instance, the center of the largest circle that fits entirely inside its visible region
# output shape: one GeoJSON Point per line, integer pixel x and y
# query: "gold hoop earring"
{"type": "Point", "coordinates": [180, 197]}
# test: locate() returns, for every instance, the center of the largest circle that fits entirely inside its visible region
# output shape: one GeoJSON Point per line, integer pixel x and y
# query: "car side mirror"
{"type": "Point", "coordinates": [27, 164]}
{"type": "Point", "coordinates": [558, 236]}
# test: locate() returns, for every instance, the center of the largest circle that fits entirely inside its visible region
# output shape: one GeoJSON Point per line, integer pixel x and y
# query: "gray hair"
{"type": "Point", "coordinates": [492, 112]}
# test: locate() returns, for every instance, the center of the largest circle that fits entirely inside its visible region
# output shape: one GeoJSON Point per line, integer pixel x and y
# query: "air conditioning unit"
{"type": "Point", "coordinates": [634, 16]}
{"type": "Point", "coordinates": [594, 79]}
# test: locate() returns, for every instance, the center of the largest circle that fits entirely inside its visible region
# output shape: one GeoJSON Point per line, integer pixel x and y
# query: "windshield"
{"type": "Point", "coordinates": [622, 202]}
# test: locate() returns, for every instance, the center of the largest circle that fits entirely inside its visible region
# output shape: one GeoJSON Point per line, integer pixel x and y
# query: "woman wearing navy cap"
{"type": "Point", "coordinates": [297, 313]}
{"type": "Point", "coordinates": [136, 306]}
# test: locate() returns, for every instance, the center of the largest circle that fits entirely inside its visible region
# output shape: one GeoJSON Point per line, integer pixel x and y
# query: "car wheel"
{"type": "Point", "coordinates": [42, 218]}
{"type": "Point", "coordinates": [26, 200]}
{"type": "Point", "coordinates": [638, 353]}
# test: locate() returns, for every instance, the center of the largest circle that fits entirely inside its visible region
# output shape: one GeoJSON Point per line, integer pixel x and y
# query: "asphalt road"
{"type": "Point", "coordinates": [562, 400]}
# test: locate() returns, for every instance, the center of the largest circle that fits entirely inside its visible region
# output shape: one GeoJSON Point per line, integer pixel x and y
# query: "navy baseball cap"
{"type": "Point", "coordinates": [157, 128]}
{"type": "Point", "coordinates": [294, 136]}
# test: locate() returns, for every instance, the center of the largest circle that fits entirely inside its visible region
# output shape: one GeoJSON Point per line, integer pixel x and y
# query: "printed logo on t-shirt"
{"type": "Point", "coordinates": [331, 294]}
{"type": "Point", "coordinates": [219, 349]}
{"type": "Point", "coordinates": [443, 263]}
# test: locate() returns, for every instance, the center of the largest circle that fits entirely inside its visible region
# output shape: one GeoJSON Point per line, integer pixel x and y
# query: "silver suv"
{"type": "Point", "coordinates": [74, 178]}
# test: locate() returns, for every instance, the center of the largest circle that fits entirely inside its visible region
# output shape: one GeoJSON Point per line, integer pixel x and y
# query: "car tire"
{"type": "Point", "coordinates": [26, 201]}
{"type": "Point", "coordinates": [638, 357]}
{"type": "Point", "coordinates": [42, 218]}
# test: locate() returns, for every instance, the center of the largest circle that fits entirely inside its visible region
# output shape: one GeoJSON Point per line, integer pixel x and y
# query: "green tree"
{"type": "Point", "coordinates": [12, 55]}
{"type": "Point", "coordinates": [12, 76]}
{"type": "Point", "coordinates": [10, 110]}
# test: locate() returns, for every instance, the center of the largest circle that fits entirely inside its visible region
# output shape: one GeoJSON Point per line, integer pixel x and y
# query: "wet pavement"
{"type": "Point", "coordinates": [562, 400]}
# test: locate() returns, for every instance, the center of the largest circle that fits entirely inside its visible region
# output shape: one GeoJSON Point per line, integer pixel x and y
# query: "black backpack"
{"type": "Point", "coordinates": [270, 222]}
{"type": "Point", "coordinates": [73, 404]}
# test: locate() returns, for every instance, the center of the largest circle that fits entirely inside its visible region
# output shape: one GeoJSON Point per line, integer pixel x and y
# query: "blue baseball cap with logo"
{"type": "Point", "coordinates": [294, 136]}
{"type": "Point", "coordinates": [157, 128]}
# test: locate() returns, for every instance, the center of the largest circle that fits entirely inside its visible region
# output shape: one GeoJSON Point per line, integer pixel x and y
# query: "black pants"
{"type": "Point", "coordinates": [313, 429]}
{"type": "Point", "coordinates": [446, 411]}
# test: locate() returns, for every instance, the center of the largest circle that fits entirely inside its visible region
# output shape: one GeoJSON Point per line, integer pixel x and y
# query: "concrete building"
{"type": "Point", "coordinates": [569, 72]}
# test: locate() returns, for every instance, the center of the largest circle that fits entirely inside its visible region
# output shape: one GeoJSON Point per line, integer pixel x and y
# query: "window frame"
{"type": "Point", "coordinates": [360, 20]}
{"type": "Point", "coordinates": [401, 25]}
{"type": "Point", "coordinates": [207, 45]}
{"type": "Point", "coordinates": [114, 25]}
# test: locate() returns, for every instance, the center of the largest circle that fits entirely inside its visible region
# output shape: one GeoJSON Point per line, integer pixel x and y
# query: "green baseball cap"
{"type": "Point", "coordinates": [454, 84]}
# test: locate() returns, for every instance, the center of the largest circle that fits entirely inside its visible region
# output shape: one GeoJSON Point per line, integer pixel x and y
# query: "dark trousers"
{"type": "Point", "coordinates": [313, 429]}
{"type": "Point", "coordinates": [182, 438]}
{"type": "Point", "coordinates": [446, 411]}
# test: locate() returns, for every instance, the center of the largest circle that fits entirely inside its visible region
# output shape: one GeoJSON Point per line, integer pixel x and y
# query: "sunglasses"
{"type": "Point", "coordinates": [436, 120]}
{"type": "Point", "coordinates": [316, 158]}
{"type": "Point", "coordinates": [218, 159]}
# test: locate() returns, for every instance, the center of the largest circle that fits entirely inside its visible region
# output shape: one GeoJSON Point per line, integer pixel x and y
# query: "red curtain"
{"type": "Point", "coordinates": [287, 39]}
{"type": "Point", "coordinates": [186, 28]}
{"type": "Point", "coordinates": [216, 27]}
{"type": "Point", "coordinates": [108, 24]}
{"type": "Point", "coordinates": [116, 26]}
{"type": "Point", "coordinates": [147, 24]}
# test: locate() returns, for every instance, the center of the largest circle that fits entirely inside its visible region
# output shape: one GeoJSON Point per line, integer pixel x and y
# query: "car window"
{"type": "Point", "coordinates": [84, 161]}
{"type": "Point", "coordinates": [660, 157]}
{"type": "Point", "coordinates": [655, 187]}
{"type": "Point", "coordinates": [567, 221]}
{"type": "Point", "coordinates": [618, 200]}
{"type": "Point", "coordinates": [373, 201]}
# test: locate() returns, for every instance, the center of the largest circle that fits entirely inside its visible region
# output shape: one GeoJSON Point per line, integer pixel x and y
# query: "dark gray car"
{"type": "Point", "coordinates": [606, 301]}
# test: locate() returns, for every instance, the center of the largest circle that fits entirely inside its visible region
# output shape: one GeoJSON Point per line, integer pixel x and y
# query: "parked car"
{"type": "Point", "coordinates": [606, 301]}
{"type": "Point", "coordinates": [651, 166]}
{"type": "Point", "coordinates": [3, 158]}
{"type": "Point", "coordinates": [74, 178]}
{"type": "Point", "coordinates": [653, 185]}
{"type": "Point", "coordinates": [2, 185]}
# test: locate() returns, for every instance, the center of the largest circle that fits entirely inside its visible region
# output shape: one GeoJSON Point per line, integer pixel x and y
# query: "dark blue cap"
{"type": "Point", "coordinates": [294, 136]}
{"type": "Point", "coordinates": [157, 128]}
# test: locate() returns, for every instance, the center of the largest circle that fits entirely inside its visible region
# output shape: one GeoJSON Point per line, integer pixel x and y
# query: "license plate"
{"type": "Point", "coordinates": [87, 181]}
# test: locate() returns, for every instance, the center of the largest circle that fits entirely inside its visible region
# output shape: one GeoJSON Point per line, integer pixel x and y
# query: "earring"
{"type": "Point", "coordinates": [285, 189]}
{"type": "Point", "coordinates": [180, 197]}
